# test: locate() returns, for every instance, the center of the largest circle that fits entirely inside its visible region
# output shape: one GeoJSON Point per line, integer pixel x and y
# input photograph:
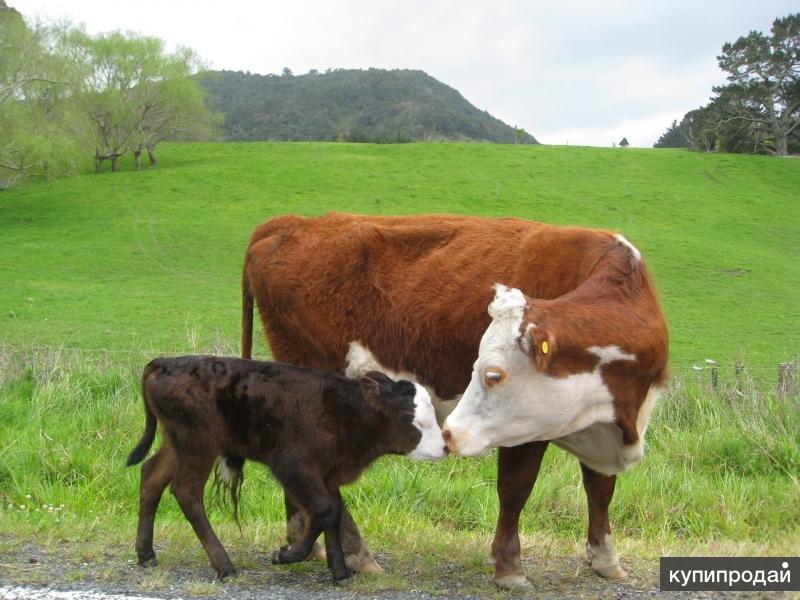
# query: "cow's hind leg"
{"type": "Point", "coordinates": [296, 525]}
{"type": "Point", "coordinates": [157, 472]}
{"type": "Point", "coordinates": [517, 469]}
{"type": "Point", "coordinates": [188, 487]}
{"type": "Point", "coordinates": [599, 491]}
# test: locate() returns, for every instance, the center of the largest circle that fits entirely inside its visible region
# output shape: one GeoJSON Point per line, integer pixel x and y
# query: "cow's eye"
{"type": "Point", "coordinates": [494, 376]}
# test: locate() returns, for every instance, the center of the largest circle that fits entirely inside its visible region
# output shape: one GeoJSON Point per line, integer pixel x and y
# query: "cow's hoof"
{"type": "Point", "coordinates": [513, 582]}
{"type": "Point", "coordinates": [614, 572]}
{"type": "Point", "coordinates": [370, 567]}
{"type": "Point", "coordinates": [362, 562]}
{"type": "Point", "coordinates": [341, 576]}
{"type": "Point", "coordinates": [317, 553]}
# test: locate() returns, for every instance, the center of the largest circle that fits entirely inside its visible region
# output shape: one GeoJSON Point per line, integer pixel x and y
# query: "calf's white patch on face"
{"type": "Point", "coordinates": [528, 405]}
{"type": "Point", "coordinates": [431, 445]}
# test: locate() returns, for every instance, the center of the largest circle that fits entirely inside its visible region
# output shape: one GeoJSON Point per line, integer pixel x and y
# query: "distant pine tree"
{"type": "Point", "coordinates": [676, 136]}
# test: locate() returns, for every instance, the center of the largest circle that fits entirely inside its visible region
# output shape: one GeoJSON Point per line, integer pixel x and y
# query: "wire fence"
{"type": "Point", "coordinates": [732, 379]}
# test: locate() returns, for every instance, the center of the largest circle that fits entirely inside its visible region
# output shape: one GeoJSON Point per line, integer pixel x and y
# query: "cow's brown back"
{"type": "Point", "coordinates": [414, 290]}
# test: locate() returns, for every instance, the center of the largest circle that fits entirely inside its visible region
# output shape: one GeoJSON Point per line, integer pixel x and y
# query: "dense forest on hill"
{"type": "Point", "coordinates": [372, 105]}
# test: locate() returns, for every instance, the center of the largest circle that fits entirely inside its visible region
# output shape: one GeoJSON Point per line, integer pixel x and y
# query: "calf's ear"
{"type": "Point", "coordinates": [375, 382]}
{"type": "Point", "coordinates": [371, 387]}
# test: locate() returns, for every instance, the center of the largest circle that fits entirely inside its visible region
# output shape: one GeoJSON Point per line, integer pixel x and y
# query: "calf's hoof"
{"type": "Point", "coordinates": [286, 554]}
{"type": "Point", "coordinates": [317, 553]}
{"type": "Point", "coordinates": [148, 561]}
{"type": "Point", "coordinates": [229, 571]}
{"type": "Point", "coordinates": [516, 583]}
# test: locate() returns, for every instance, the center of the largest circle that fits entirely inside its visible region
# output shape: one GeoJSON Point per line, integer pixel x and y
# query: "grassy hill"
{"type": "Point", "coordinates": [152, 260]}
{"type": "Point", "coordinates": [350, 105]}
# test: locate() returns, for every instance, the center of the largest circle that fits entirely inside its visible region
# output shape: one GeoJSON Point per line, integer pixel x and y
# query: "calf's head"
{"type": "Point", "coordinates": [411, 428]}
{"type": "Point", "coordinates": [514, 395]}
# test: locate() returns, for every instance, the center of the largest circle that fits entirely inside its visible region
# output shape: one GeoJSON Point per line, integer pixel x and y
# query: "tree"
{"type": "Point", "coordinates": [34, 107]}
{"type": "Point", "coordinates": [623, 143]}
{"type": "Point", "coordinates": [170, 104]}
{"type": "Point", "coordinates": [135, 94]}
{"type": "Point", "coordinates": [764, 76]}
{"type": "Point", "coordinates": [676, 136]}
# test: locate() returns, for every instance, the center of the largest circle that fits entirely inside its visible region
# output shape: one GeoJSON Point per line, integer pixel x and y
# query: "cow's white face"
{"type": "Point", "coordinates": [509, 401]}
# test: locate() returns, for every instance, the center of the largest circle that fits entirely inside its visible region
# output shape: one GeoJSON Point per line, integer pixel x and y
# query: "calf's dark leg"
{"type": "Point", "coordinates": [157, 472]}
{"type": "Point", "coordinates": [333, 542]}
{"type": "Point", "coordinates": [517, 469]}
{"type": "Point", "coordinates": [599, 491]}
{"type": "Point", "coordinates": [323, 512]}
{"type": "Point", "coordinates": [188, 487]}
{"type": "Point", "coordinates": [296, 525]}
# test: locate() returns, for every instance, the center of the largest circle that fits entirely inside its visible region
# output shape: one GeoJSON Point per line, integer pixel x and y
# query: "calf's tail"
{"type": "Point", "coordinates": [140, 451]}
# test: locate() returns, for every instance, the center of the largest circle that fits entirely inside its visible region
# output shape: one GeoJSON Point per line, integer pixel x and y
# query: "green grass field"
{"type": "Point", "coordinates": [102, 272]}
{"type": "Point", "coordinates": [152, 260]}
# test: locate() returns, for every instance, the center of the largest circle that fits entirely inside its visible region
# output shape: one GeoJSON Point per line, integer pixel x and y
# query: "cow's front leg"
{"type": "Point", "coordinates": [599, 491]}
{"type": "Point", "coordinates": [517, 469]}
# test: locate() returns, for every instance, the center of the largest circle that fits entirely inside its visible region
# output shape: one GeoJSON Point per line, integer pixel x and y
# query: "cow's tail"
{"type": "Point", "coordinates": [247, 315]}
{"type": "Point", "coordinates": [140, 451]}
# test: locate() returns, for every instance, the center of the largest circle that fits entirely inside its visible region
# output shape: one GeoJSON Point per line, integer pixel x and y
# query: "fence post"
{"type": "Point", "coordinates": [787, 379]}
{"type": "Point", "coordinates": [739, 371]}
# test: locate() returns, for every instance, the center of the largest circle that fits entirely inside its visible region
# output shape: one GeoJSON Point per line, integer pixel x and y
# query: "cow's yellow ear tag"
{"type": "Point", "coordinates": [545, 347]}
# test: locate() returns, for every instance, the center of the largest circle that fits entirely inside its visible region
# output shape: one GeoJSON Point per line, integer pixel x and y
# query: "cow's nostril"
{"type": "Point", "coordinates": [448, 437]}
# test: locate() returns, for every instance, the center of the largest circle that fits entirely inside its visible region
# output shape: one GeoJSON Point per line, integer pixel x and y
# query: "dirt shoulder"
{"type": "Point", "coordinates": [62, 567]}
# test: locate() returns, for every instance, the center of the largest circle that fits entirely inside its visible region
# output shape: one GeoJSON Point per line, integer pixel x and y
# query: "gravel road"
{"type": "Point", "coordinates": [29, 572]}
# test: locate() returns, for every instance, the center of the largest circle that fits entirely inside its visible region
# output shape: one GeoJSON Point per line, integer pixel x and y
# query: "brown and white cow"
{"type": "Point", "coordinates": [574, 351]}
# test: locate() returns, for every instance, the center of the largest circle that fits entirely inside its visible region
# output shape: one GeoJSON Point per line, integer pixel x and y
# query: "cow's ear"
{"type": "Point", "coordinates": [541, 346]}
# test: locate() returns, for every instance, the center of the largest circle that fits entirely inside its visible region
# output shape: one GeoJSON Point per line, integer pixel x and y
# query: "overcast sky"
{"type": "Point", "coordinates": [583, 72]}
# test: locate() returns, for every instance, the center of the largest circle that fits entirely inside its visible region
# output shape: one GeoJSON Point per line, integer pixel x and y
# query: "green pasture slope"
{"type": "Point", "coordinates": [99, 273]}
{"type": "Point", "coordinates": [152, 260]}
